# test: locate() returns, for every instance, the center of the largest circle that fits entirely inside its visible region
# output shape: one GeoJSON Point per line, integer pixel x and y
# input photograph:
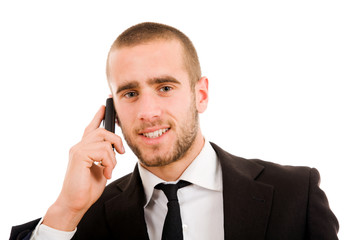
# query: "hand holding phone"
{"type": "Point", "coordinates": [85, 180]}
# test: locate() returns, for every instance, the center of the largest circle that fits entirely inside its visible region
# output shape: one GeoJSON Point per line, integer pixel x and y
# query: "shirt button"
{"type": "Point", "coordinates": [185, 227]}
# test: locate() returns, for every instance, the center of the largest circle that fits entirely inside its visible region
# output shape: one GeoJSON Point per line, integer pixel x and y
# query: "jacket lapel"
{"type": "Point", "coordinates": [125, 212]}
{"type": "Point", "coordinates": [247, 203]}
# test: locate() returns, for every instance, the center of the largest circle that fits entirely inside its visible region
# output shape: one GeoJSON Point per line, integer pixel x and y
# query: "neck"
{"type": "Point", "coordinates": [174, 170]}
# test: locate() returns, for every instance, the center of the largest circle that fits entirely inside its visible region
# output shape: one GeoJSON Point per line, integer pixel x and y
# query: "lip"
{"type": "Point", "coordinates": [156, 140]}
{"type": "Point", "coordinates": [153, 129]}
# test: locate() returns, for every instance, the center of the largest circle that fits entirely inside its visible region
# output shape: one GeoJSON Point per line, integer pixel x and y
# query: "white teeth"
{"type": "Point", "coordinates": [156, 133]}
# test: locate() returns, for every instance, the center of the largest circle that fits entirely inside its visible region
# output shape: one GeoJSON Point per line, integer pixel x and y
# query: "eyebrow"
{"type": "Point", "coordinates": [126, 86]}
{"type": "Point", "coordinates": [164, 79]}
{"type": "Point", "coordinates": [151, 81]}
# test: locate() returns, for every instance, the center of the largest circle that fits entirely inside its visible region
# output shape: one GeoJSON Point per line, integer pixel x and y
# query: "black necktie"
{"type": "Point", "coordinates": [172, 226]}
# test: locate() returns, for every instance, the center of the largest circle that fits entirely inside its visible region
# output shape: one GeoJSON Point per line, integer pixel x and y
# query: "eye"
{"type": "Point", "coordinates": [166, 89]}
{"type": "Point", "coordinates": [130, 94]}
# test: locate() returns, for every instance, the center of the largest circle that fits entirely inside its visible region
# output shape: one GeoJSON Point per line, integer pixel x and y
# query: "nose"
{"type": "Point", "coordinates": [149, 108]}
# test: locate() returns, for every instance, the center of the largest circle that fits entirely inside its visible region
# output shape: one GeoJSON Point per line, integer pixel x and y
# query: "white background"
{"type": "Point", "coordinates": [284, 87]}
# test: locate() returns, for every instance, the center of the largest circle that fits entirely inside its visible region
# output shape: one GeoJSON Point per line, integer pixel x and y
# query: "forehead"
{"type": "Point", "coordinates": [146, 61]}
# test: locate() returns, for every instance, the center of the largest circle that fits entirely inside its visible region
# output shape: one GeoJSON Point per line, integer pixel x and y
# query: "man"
{"type": "Point", "coordinates": [155, 80]}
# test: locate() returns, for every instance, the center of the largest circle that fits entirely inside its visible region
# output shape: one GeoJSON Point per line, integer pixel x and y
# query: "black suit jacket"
{"type": "Point", "coordinates": [262, 200]}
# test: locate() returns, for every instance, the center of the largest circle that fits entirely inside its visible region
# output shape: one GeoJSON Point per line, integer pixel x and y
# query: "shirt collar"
{"type": "Point", "coordinates": [210, 179]}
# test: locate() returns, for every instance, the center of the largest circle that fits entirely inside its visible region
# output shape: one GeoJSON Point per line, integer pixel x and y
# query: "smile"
{"type": "Point", "coordinates": [156, 133]}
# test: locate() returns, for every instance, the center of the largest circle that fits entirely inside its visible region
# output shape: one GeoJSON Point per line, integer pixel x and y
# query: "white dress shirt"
{"type": "Point", "coordinates": [201, 204]}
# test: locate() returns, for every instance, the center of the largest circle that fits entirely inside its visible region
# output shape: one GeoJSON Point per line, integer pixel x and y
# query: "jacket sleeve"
{"type": "Point", "coordinates": [23, 232]}
{"type": "Point", "coordinates": [321, 221]}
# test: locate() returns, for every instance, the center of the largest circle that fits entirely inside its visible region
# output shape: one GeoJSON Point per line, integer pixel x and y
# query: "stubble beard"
{"type": "Point", "coordinates": [186, 135]}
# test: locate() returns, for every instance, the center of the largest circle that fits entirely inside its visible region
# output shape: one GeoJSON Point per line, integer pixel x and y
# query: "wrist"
{"type": "Point", "coordinates": [62, 218]}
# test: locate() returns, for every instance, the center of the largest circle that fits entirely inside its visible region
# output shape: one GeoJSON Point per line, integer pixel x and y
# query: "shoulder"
{"type": "Point", "coordinates": [297, 200]}
{"type": "Point", "coordinates": [261, 170]}
{"type": "Point", "coordinates": [278, 173]}
{"type": "Point", "coordinates": [291, 179]}
{"type": "Point", "coordinates": [285, 179]}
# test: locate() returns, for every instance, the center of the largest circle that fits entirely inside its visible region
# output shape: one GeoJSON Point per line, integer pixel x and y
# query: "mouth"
{"type": "Point", "coordinates": [155, 134]}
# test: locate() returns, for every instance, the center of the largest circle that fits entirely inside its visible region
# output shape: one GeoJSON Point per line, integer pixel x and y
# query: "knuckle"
{"type": "Point", "coordinates": [109, 146]}
{"type": "Point", "coordinates": [72, 150]}
{"type": "Point", "coordinates": [100, 130]}
{"type": "Point", "coordinates": [86, 130]}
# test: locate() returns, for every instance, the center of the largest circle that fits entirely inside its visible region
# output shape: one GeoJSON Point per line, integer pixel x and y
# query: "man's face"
{"type": "Point", "coordinates": [154, 101]}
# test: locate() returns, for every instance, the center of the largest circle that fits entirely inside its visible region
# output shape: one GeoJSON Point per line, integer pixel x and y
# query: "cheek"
{"type": "Point", "coordinates": [179, 108]}
{"type": "Point", "coordinates": [124, 118]}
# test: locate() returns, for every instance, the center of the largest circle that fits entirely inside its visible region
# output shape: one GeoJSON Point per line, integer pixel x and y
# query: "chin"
{"type": "Point", "coordinates": [157, 161]}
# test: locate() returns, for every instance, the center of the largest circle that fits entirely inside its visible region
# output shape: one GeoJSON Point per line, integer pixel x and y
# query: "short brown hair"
{"type": "Point", "coordinates": [149, 31]}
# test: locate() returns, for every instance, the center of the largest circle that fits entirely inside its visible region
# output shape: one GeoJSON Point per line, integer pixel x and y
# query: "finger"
{"type": "Point", "coordinates": [109, 164]}
{"type": "Point", "coordinates": [96, 121]}
{"type": "Point", "coordinates": [104, 160]}
{"type": "Point", "coordinates": [104, 135]}
{"type": "Point", "coordinates": [102, 152]}
{"type": "Point", "coordinates": [108, 172]}
{"type": "Point", "coordinates": [101, 171]}
{"type": "Point", "coordinates": [112, 153]}
{"type": "Point", "coordinates": [116, 142]}
{"type": "Point", "coordinates": [108, 154]}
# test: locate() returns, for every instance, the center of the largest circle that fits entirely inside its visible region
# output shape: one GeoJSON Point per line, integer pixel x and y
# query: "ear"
{"type": "Point", "coordinates": [202, 97]}
{"type": "Point", "coordinates": [117, 120]}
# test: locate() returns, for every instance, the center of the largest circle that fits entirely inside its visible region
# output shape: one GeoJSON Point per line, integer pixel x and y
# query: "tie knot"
{"type": "Point", "coordinates": [171, 189]}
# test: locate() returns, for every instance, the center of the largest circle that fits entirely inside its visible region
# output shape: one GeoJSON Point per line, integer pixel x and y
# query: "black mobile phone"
{"type": "Point", "coordinates": [110, 115]}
